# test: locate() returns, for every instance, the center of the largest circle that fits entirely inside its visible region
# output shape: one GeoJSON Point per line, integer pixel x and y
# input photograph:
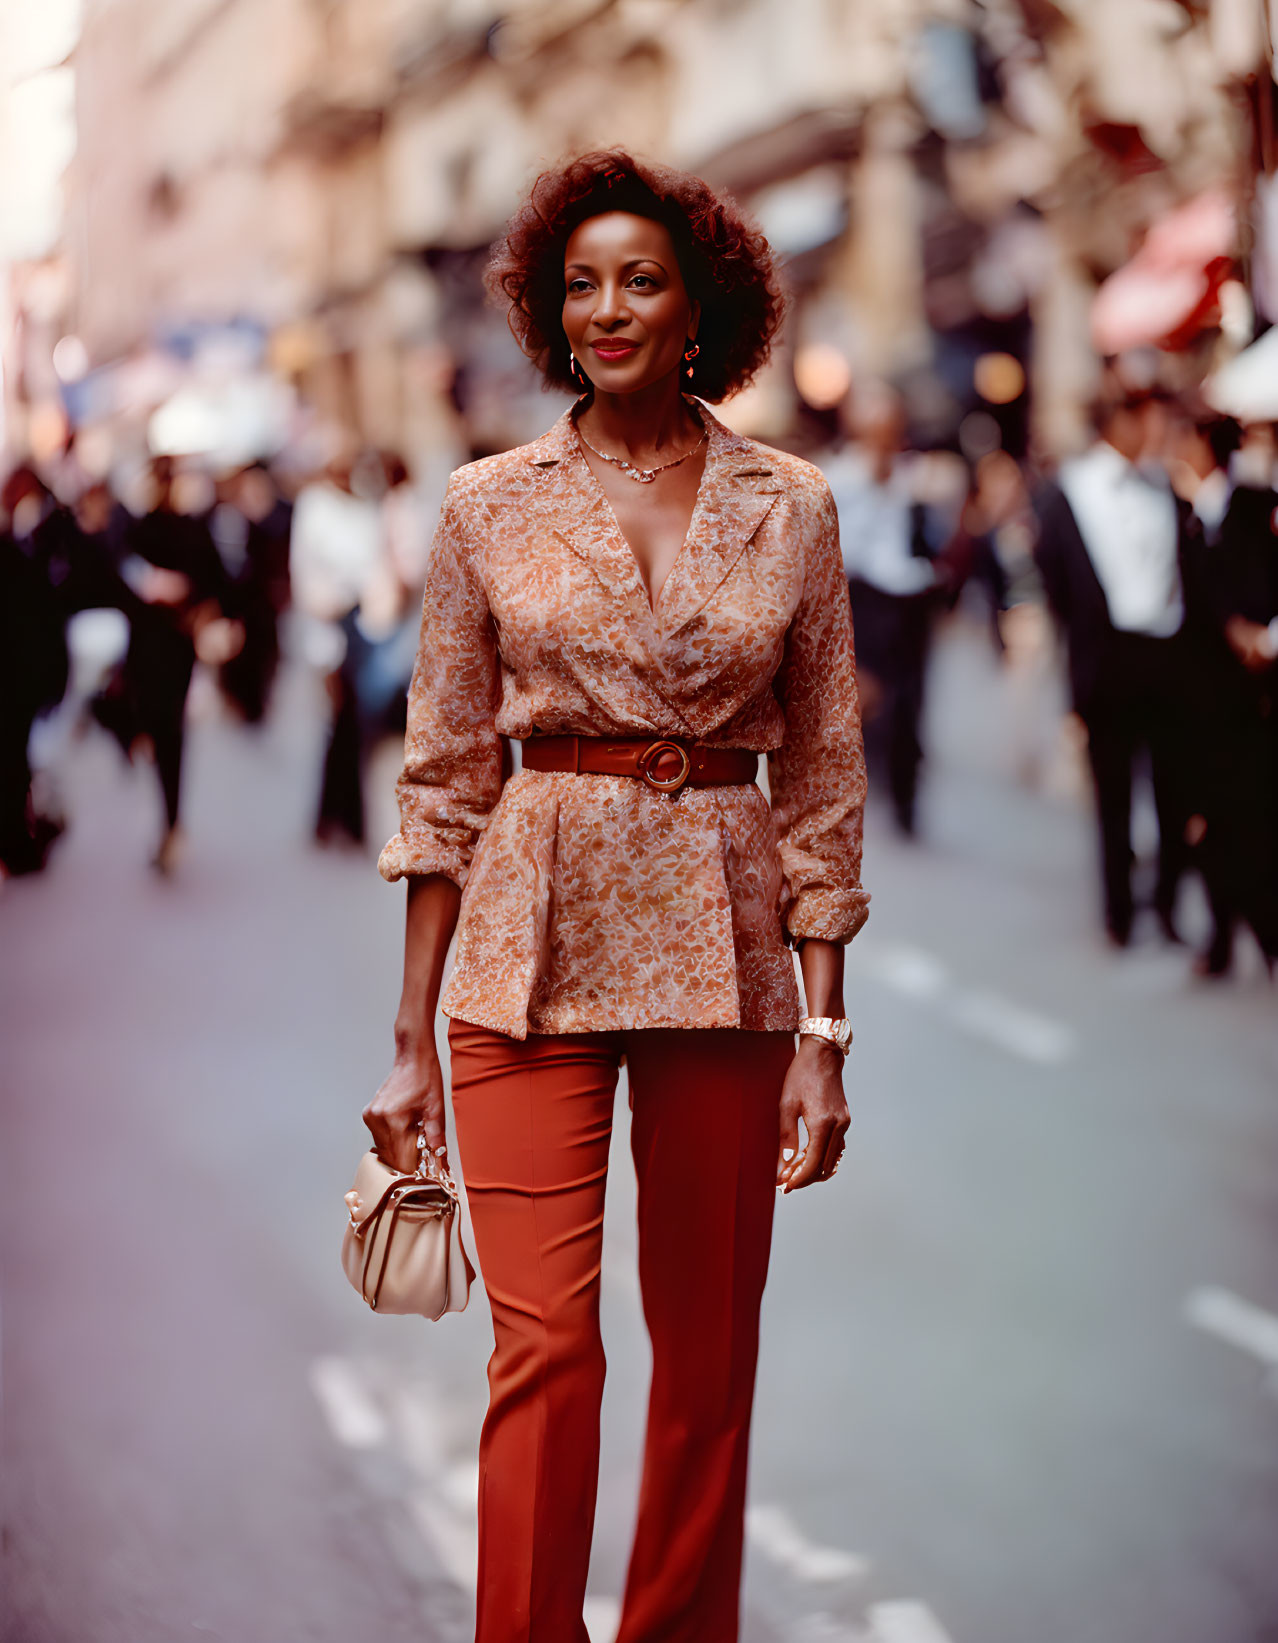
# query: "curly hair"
{"type": "Point", "coordinates": [726, 263]}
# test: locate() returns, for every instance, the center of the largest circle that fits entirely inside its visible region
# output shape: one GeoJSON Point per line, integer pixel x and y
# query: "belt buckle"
{"type": "Point", "coordinates": [669, 784]}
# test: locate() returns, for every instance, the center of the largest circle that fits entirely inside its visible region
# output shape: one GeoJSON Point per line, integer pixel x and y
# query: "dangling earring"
{"type": "Point", "coordinates": [575, 371]}
{"type": "Point", "coordinates": [691, 354]}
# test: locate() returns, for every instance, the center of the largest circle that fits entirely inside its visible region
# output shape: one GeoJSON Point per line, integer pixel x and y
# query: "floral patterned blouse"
{"type": "Point", "coordinates": [596, 902]}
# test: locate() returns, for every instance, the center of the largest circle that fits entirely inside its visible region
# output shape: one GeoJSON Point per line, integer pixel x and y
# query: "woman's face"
{"type": "Point", "coordinates": [627, 314]}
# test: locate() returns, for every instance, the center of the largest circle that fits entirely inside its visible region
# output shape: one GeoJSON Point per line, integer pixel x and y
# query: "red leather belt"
{"type": "Point", "coordinates": [664, 762]}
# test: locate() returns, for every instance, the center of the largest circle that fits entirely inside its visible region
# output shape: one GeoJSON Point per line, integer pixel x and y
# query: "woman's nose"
{"type": "Point", "coordinates": [610, 306]}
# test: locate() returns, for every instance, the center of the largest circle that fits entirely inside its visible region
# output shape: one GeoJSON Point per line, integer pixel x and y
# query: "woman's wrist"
{"type": "Point", "coordinates": [415, 1040]}
{"type": "Point", "coordinates": [812, 1048]}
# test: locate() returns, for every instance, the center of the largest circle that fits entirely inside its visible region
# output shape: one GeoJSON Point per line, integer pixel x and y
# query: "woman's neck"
{"type": "Point", "coordinates": [651, 422]}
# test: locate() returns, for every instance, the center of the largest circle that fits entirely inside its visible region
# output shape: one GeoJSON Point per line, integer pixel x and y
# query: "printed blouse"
{"type": "Point", "coordinates": [596, 902]}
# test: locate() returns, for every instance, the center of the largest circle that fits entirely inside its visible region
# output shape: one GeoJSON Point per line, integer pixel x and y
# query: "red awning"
{"type": "Point", "coordinates": [1168, 292]}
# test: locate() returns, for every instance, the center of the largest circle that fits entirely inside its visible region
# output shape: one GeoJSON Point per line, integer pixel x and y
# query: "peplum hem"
{"type": "Point", "coordinates": [595, 904]}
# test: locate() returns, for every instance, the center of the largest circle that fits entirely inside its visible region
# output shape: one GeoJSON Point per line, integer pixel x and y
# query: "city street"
{"type": "Point", "coordinates": [1019, 1379]}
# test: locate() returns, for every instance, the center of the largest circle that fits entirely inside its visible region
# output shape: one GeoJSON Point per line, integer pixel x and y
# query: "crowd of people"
{"type": "Point", "coordinates": [105, 611]}
{"type": "Point", "coordinates": [1154, 553]}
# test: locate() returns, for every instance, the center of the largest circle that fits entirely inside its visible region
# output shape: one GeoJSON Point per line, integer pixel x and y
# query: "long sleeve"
{"type": "Point", "coordinates": [451, 777]}
{"type": "Point", "coordinates": [817, 775]}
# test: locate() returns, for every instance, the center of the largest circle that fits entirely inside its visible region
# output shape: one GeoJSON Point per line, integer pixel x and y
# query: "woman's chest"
{"type": "Point", "coordinates": [654, 518]}
{"type": "Point", "coordinates": [577, 598]}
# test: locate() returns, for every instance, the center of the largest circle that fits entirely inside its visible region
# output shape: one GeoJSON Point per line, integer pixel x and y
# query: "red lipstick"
{"type": "Point", "coordinates": [613, 348]}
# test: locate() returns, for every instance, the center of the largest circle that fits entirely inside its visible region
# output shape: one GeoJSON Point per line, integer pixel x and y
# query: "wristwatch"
{"type": "Point", "coordinates": [836, 1030]}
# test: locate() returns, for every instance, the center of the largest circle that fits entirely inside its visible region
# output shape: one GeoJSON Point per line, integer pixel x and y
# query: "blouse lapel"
{"type": "Point", "coordinates": [737, 492]}
{"type": "Point", "coordinates": [579, 513]}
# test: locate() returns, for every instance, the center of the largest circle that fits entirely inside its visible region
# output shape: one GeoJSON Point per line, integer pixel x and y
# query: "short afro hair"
{"type": "Point", "coordinates": [726, 263]}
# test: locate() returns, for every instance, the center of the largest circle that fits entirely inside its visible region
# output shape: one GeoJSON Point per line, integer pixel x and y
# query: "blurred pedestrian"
{"type": "Point", "coordinates": [26, 502]}
{"type": "Point", "coordinates": [334, 556]}
{"type": "Point", "coordinates": [406, 532]}
{"type": "Point", "coordinates": [993, 549]}
{"type": "Point", "coordinates": [33, 676]}
{"type": "Point", "coordinates": [889, 547]}
{"type": "Point", "coordinates": [1235, 560]}
{"type": "Point", "coordinates": [1112, 538]}
{"type": "Point", "coordinates": [252, 529]}
{"type": "Point", "coordinates": [80, 548]}
{"type": "Point", "coordinates": [647, 601]}
{"type": "Point", "coordinates": [382, 635]}
{"type": "Point", "coordinates": [173, 568]}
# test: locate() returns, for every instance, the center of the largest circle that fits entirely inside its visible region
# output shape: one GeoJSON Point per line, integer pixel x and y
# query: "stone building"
{"type": "Point", "coordinates": [944, 178]}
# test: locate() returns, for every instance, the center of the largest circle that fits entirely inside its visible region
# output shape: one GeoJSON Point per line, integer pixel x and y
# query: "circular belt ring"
{"type": "Point", "coordinates": [669, 784]}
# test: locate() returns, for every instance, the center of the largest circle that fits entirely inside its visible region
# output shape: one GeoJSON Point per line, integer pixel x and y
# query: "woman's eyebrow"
{"type": "Point", "coordinates": [634, 262]}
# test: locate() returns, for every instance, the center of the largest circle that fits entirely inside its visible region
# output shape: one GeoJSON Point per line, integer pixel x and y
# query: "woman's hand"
{"type": "Point", "coordinates": [410, 1100]}
{"type": "Point", "coordinates": [412, 1097]}
{"type": "Point", "coordinates": [813, 1092]}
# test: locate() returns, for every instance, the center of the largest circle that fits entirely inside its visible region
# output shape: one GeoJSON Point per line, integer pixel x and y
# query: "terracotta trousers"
{"type": "Point", "coordinates": [534, 1120]}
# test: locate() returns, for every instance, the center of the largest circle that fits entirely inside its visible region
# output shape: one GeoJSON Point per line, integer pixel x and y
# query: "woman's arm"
{"type": "Point", "coordinates": [813, 1087]}
{"type": "Point", "coordinates": [412, 1095]}
{"type": "Point", "coordinates": [450, 781]}
{"type": "Point", "coordinates": [817, 775]}
{"type": "Point", "coordinates": [817, 779]}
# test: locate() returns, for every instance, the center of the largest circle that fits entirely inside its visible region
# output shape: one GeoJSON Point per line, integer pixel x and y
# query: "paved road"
{"type": "Point", "coordinates": [1018, 1376]}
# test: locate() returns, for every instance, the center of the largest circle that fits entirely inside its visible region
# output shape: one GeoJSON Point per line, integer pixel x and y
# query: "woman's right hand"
{"type": "Point", "coordinates": [410, 1100]}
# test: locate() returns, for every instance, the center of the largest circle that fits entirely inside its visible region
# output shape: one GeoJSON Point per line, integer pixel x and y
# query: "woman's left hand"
{"type": "Point", "coordinates": [813, 1092]}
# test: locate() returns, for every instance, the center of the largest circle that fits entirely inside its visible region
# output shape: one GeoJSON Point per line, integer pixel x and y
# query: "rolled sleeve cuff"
{"type": "Point", "coordinates": [408, 855]}
{"type": "Point", "coordinates": [826, 915]}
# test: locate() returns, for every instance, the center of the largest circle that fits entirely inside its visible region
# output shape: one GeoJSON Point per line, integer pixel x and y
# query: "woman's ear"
{"type": "Point", "coordinates": [694, 320]}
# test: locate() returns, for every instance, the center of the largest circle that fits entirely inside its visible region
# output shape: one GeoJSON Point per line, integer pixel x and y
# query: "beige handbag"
{"type": "Point", "coordinates": [402, 1249]}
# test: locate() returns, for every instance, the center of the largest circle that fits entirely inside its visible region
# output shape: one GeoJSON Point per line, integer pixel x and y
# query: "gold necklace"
{"type": "Point", "coordinates": [641, 476]}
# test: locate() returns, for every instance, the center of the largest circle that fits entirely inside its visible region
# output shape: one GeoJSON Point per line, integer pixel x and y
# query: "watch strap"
{"type": "Point", "coordinates": [835, 1030]}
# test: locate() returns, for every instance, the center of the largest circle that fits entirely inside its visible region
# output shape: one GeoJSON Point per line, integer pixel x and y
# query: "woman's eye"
{"type": "Point", "coordinates": [643, 280]}
{"type": "Point", "coordinates": [576, 287]}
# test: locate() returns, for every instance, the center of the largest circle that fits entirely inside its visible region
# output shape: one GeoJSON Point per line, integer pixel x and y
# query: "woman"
{"type": "Point", "coordinates": [645, 601]}
{"type": "Point", "coordinates": [174, 568]}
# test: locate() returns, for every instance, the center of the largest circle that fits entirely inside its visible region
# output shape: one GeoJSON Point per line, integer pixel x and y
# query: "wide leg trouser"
{"type": "Point", "coordinates": [534, 1121]}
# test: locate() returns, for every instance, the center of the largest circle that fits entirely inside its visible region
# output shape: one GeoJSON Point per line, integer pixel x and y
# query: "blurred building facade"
{"type": "Point", "coordinates": [305, 189]}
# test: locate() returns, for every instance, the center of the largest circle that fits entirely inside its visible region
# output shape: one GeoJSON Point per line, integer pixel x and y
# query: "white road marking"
{"type": "Point", "coordinates": [443, 1505]}
{"type": "Point", "coordinates": [981, 1012]}
{"type": "Point", "coordinates": [905, 1623]}
{"type": "Point", "coordinates": [461, 1486]}
{"type": "Point", "coordinates": [821, 1628]}
{"type": "Point", "coordinates": [1025, 1033]}
{"type": "Point", "coordinates": [779, 1538]}
{"type": "Point", "coordinates": [454, 1539]}
{"type": "Point", "coordinates": [602, 1616]}
{"type": "Point", "coordinates": [420, 1424]}
{"type": "Point", "coordinates": [445, 1509]}
{"type": "Point", "coordinates": [353, 1417]}
{"type": "Point", "coordinates": [1228, 1317]}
